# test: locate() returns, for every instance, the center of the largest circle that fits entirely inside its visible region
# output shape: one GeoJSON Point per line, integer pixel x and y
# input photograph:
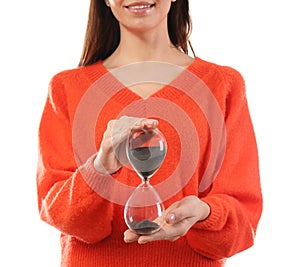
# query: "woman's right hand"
{"type": "Point", "coordinates": [112, 155]}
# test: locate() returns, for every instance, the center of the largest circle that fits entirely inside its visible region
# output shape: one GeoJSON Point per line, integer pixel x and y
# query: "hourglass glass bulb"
{"type": "Point", "coordinates": [144, 210]}
{"type": "Point", "coordinates": [146, 151]}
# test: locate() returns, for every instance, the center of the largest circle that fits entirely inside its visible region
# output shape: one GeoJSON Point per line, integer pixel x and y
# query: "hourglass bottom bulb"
{"type": "Point", "coordinates": [144, 210]}
{"type": "Point", "coordinates": [144, 220]}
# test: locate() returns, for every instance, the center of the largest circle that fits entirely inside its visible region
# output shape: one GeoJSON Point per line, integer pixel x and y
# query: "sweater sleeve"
{"type": "Point", "coordinates": [65, 200]}
{"type": "Point", "coordinates": [235, 198]}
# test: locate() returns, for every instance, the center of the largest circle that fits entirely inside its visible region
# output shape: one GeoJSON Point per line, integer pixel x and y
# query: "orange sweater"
{"type": "Point", "coordinates": [91, 222]}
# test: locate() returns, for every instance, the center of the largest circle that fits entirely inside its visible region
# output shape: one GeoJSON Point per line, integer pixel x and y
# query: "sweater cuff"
{"type": "Point", "coordinates": [100, 168]}
{"type": "Point", "coordinates": [215, 219]}
{"type": "Point", "coordinates": [96, 171]}
{"type": "Point", "coordinates": [93, 177]}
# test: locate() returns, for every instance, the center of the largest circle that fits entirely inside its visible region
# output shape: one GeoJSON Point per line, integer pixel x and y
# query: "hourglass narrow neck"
{"type": "Point", "coordinates": [146, 180]}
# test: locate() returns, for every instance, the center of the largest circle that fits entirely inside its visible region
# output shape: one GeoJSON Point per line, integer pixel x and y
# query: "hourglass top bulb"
{"type": "Point", "coordinates": [146, 151]}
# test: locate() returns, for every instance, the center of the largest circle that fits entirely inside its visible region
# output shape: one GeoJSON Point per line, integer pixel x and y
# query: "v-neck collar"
{"type": "Point", "coordinates": [147, 72]}
{"type": "Point", "coordinates": [124, 95]}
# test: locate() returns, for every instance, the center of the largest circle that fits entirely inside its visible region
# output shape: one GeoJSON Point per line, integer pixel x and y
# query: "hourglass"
{"type": "Point", "coordinates": [144, 210]}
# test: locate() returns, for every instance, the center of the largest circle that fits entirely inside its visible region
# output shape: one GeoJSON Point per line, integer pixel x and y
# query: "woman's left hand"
{"type": "Point", "coordinates": [180, 217]}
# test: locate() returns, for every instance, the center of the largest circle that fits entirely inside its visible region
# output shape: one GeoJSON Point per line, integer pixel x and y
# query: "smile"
{"type": "Point", "coordinates": [140, 6]}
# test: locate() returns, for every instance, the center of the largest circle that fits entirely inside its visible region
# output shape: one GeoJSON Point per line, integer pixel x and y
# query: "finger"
{"type": "Point", "coordinates": [168, 233]}
{"type": "Point", "coordinates": [130, 236]}
{"type": "Point", "coordinates": [160, 235]}
{"type": "Point", "coordinates": [150, 124]}
{"type": "Point", "coordinates": [146, 124]}
{"type": "Point", "coordinates": [129, 121]}
{"type": "Point", "coordinates": [178, 214]}
{"type": "Point", "coordinates": [121, 128]}
{"type": "Point", "coordinates": [173, 206]}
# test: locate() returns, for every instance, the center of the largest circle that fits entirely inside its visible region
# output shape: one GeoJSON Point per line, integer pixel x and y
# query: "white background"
{"type": "Point", "coordinates": [258, 38]}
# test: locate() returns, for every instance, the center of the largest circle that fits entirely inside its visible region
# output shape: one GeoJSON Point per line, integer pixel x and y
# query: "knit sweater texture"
{"type": "Point", "coordinates": [92, 225]}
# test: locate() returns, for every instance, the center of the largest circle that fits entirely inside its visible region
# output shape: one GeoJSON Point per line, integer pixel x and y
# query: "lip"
{"type": "Point", "coordinates": [140, 7]}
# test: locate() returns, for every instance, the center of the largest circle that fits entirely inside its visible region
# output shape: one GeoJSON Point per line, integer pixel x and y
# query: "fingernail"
{"type": "Point", "coordinates": [152, 122]}
{"type": "Point", "coordinates": [171, 218]}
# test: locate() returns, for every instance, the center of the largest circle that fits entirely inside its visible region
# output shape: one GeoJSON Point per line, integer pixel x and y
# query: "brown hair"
{"type": "Point", "coordinates": [102, 35]}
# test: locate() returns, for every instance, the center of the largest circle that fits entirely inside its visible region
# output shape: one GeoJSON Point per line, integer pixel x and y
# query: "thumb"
{"type": "Point", "coordinates": [171, 218]}
{"type": "Point", "coordinates": [176, 215]}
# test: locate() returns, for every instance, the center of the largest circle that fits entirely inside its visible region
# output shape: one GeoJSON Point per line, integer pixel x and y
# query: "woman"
{"type": "Point", "coordinates": [80, 189]}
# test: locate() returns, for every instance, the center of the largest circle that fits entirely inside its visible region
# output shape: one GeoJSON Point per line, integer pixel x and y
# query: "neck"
{"type": "Point", "coordinates": [150, 46]}
{"type": "Point", "coordinates": [142, 46]}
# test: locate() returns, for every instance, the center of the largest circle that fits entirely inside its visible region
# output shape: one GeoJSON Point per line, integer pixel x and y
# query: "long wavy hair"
{"type": "Point", "coordinates": [102, 35]}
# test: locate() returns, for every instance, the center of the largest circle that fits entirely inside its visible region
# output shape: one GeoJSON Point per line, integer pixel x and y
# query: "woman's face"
{"type": "Point", "coordinates": [140, 15]}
